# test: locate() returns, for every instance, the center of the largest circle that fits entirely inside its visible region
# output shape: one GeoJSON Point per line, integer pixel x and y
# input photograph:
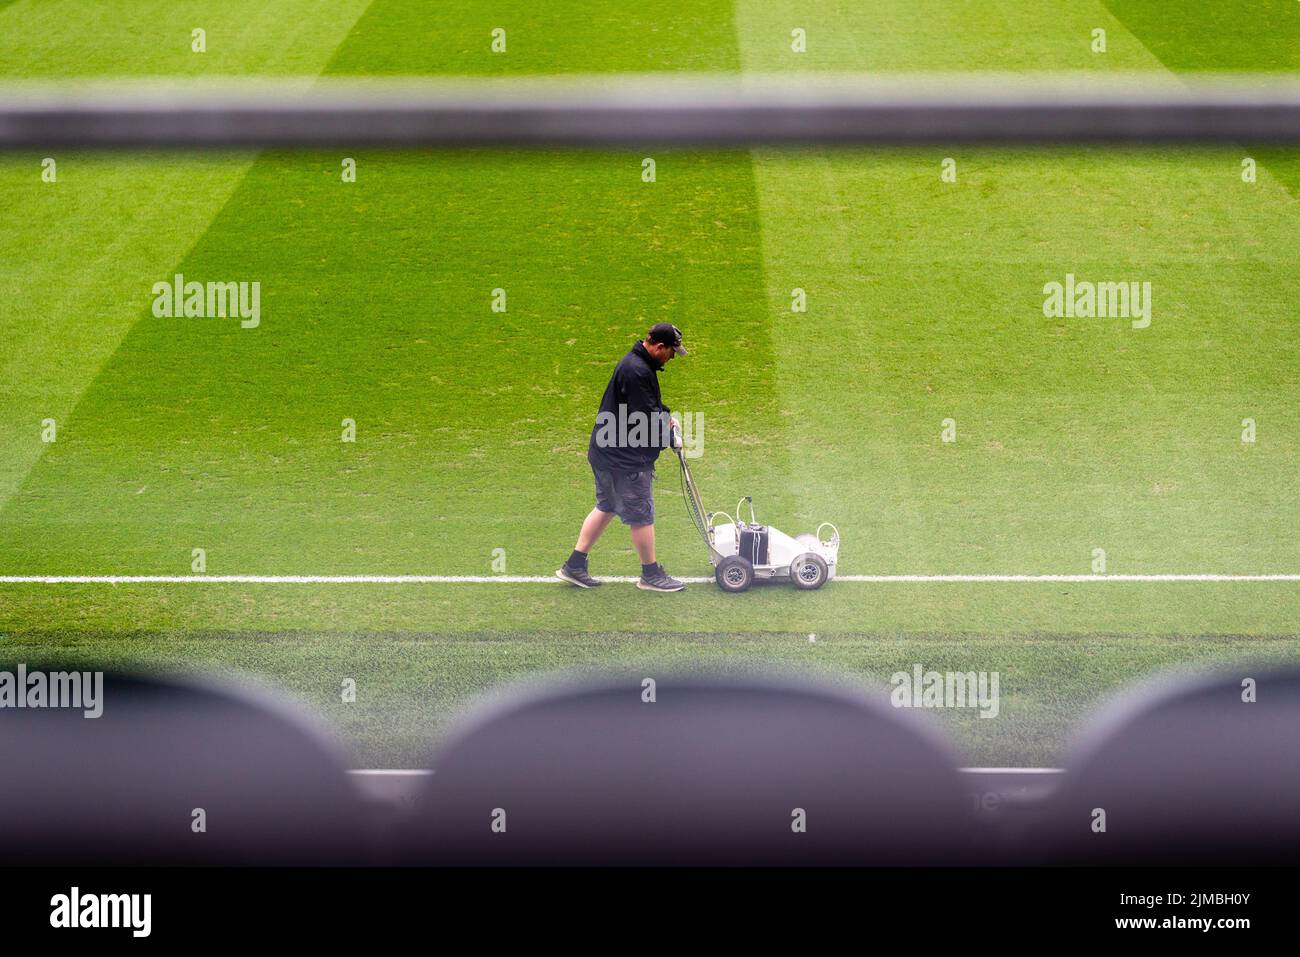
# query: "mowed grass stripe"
{"type": "Point", "coordinates": [1212, 36]}
{"type": "Point", "coordinates": [106, 39]}
{"type": "Point", "coordinates": [925, 305]}
{"type": "Point", "coordinates": [405, 38]}
{"type": "Point", "coordinates": [79, 255]}
{"type": "Point", "coordinates": [1242, 36]}
{"type": "Point", "coordinates": [843, 230]}
{"type": "Point", "coordinates": [934, 36]}
{"type": "Point", "coordinates": [75, 271]}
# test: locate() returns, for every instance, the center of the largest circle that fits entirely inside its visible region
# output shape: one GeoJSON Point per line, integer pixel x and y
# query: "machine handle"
{"type": "Point", "coordinates": [750, 500]}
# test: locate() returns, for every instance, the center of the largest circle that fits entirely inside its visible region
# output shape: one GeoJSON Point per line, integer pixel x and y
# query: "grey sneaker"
{"type": "Point", "coordinates": [576, 576]}
{"type": "Point", "coordinates": [660, 581]}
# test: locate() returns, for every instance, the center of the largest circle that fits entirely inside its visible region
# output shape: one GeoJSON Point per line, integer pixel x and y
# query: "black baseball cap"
{"type": "Point", "coordinates": [665, 333]}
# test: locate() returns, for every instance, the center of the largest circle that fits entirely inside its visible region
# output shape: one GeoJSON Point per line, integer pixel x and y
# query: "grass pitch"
{"type": "Point", "coordinates": [924, 304]}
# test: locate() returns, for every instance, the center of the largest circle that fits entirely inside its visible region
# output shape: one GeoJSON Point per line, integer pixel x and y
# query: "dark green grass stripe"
{"type": "Point", "coordinates": [1240, 36]}
{"type": "Point", "coordinates": [404, 38]}
{"type": "Point", "coordinates": [1216, 36]}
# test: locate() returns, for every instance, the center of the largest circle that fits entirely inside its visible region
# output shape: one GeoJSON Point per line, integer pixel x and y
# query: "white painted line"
{"type": "Point", "coordinates": [423, 773]}
{"type": "Point", "coordinates": [295, 579]}
{"type": "Point", "coordinates": [391, 772]}
{"type": "Point", "coordinates": [398, 788]}
{"type": "Point", "coordinates": [1012, 770]}
{"type": "Point", "coordinates": [550, 580]}
{"type": "Point", "coordinates": [1069, 578]}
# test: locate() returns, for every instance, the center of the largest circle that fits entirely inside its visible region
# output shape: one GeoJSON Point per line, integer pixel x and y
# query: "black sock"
{"type": "Point", "coordinates": [648, 570]}
{"type": "Point", "coordinates": [577, 559]}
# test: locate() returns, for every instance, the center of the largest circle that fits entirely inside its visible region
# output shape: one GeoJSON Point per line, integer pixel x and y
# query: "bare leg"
{"type": "Point", "coordinates": [592, 527]}
{"type": "Point", "coordinates": [643, 540]}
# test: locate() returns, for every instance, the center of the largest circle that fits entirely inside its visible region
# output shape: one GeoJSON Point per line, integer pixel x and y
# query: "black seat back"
{"type": "Point", "coordinates": [1186, 769]}
{"type": "Point", "coordinates": [714, 770]}
{"type": "Point", "coordinates": [124, 788]}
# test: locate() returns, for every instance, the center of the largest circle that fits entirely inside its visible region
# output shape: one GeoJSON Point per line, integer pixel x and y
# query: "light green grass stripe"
{"type": "Point", "coordinates": [924, 304]}
{"type": "Point", "coordinates": [934, 36]}
{"type": "Point", "coordinates": [60, 39]}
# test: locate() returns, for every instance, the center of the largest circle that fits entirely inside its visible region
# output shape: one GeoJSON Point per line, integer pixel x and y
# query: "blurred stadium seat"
{"type": "Point", "coordinates": [713, 772]}
{"type": "Point", "coordinates": [1187, 772]}
{"type": "Point", "coordinates": [123, 788]}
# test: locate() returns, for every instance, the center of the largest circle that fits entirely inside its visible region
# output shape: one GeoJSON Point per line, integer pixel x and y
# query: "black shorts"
{"type": "Point", "coordinates": [629, 495]}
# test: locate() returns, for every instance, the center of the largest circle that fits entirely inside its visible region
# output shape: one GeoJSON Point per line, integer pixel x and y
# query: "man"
{"type": "Point", "coordinates": [632, 428]}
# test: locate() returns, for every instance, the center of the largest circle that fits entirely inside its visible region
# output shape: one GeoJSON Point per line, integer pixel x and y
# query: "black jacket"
{"type": "Point", "coordinates": [632, 426]}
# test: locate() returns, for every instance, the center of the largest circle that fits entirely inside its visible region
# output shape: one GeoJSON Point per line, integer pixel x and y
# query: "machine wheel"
{"type": "Point", "coordinates": [809, 571]}
{"type": "Point", "coordinates": [735, 573]}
